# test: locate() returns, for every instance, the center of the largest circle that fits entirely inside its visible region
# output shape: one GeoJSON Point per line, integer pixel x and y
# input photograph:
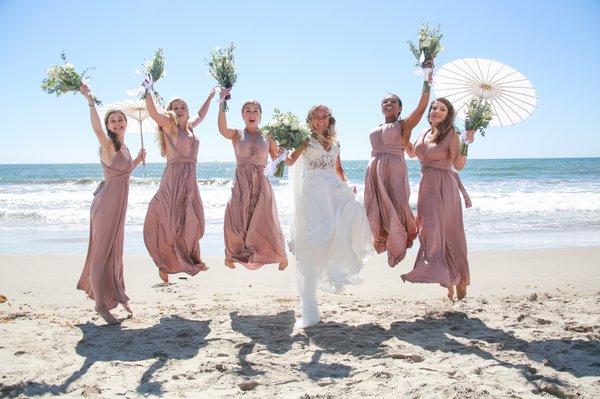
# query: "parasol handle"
{"type": "Point", "coordinates": [142, 137]}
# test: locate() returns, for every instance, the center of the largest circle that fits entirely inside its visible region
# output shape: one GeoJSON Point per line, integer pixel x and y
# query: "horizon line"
{"type": "Point", "coordinates": [347, 160]}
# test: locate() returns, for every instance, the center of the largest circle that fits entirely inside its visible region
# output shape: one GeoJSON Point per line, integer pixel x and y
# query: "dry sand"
{"type": "Point", "coordinates": [530, 328]}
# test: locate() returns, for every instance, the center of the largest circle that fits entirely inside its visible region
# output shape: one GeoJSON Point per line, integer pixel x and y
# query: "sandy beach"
{"type": "Point", "coordinates": [529, 328]}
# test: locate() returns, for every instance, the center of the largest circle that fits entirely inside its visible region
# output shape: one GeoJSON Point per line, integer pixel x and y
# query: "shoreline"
{"type": "Point", "coordinates": [75, 242]}
{"type": "Point", "coordinates": [493, 273]}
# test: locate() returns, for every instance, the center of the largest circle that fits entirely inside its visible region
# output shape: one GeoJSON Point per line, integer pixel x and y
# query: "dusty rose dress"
{"type": "Point", "coordinates": [442, 256]}
{"type": "Point", "coordinates": [393, 225]}
{"type": "Point", "coordinates": [102, 276]}
{"type": "Point", "coordinates": [253, 235]}
{"type": "Point", "coordinates": [175, 220]}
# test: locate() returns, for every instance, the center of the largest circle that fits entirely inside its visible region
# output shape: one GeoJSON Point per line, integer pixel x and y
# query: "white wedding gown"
{"type": "Point", "coordinates": [330, 234]}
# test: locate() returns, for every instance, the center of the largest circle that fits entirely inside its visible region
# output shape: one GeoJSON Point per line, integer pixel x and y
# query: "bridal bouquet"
{"type": "Point", "coordinates": [153, 71]}
{"type": "Point", "coordinates": [289, 133]}
{"type": "Point", "coordinates": [478, 116]}
{"type": "Point", "coordinates": [429, 45]}
{"type": "Point", "coordinates": [64, 78]}
{"type": "Point", "coordinates": [221, 66]}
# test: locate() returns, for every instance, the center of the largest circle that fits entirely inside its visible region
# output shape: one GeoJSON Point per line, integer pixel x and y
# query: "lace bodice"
{"type": "Point", "coordinates": [318, 158]}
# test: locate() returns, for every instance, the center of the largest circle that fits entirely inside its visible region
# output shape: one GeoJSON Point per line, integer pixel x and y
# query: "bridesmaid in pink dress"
{"type": "Point", "coordinates": [387, 191]}
{"type": "Point", "coordinates": [102, 276]}
{"type": "Point", "coordinates": [174, 222]}
{"type": "Point", "coordinates": [442, 256]}
{"type": "Point", "coordinates": [253, 236]}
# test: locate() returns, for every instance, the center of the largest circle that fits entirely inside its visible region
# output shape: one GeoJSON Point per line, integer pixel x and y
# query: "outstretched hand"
{"type": "Point", "coordinates": [429, 64]}
{"type": "Point", "coordinates": [148, 84]}
{"type": "Point", "coordinates": [224, 93]}
{"type": "Point", "coordinates": [213, 91]}
{"type": "Point", "coordinates": [86, 91]}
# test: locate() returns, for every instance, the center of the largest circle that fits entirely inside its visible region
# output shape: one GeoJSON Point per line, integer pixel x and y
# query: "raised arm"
{"type": "Point", "coordinates": [295, 154]}
{"type": "Point", "coordinates": [414, 118]}
{"type": "Point", "coordinates": [203, 109]}
{"type": "Point", "coordinates": [95, 119]}
{"type": "Point", "coordinates": [162, 120]}
{"type": "Point", "coordinates": [222, 119]}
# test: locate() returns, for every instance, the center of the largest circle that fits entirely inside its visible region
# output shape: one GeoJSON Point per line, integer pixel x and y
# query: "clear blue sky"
{"type": "Point", "coordinates": [292, 55]}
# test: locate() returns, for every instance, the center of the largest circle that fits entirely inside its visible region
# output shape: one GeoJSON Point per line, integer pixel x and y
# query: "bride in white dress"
{"type": "Point", "coordinates": [330, 234]}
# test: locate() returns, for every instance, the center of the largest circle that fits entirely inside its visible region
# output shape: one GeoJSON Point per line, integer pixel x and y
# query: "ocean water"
{"type": "Point", "coordinates": [517, 203]}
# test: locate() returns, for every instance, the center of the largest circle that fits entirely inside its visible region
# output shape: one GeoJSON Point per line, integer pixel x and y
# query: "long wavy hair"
{"type": "Point", "coordinates": [175, 121]}
{"type": "Point", "coordinates": [112, 135]}
{"type": "Point", "coordinates": [328, 137]}
{"type": "Point", "coordinates": [446, 126]}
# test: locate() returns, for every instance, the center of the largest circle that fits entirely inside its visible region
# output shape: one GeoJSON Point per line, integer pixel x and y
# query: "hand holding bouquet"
{"type": "Point", "coordinates": [221, 66]}
{"type": "Point", "coordinates": [479, 114]}
{"type": "Point", "coordinates": [153, 71]}
{"type": "Point", "coordinates": [64, 78]}
{"type": "Point", "coordinates": [428, 47]}
{"type": "Point", "coordinates": [289, 133]}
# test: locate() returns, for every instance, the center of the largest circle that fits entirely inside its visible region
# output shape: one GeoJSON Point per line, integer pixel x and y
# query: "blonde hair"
{"type": "Point", "coordinates": [248, 102]}
{"type": "Point", "coordinates": [175, 120]}
{"type": "Point", "coordinates": [328, 137]}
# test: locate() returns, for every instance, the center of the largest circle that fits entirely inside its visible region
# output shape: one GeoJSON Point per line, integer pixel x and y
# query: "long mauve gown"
{"type": "Point", "coordinates": [175, 220]}
{"type": "Point", "coordinates": [442, 256]}
{"type": "Point", "coordinates": [393, 225]}
{"type": "Point", "coordinates": [252, 232]}
{"type": "Point", "coordinates": [102, 276]}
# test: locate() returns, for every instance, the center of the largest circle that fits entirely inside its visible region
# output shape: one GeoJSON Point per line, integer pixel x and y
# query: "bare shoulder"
{"type": "Point", "coordinates": [238, 135]}
{"type": "Point", "coordinates": [423, 132]}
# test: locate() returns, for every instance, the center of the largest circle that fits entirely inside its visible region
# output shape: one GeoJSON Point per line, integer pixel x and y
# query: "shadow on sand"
{"type": "Point", "coordinates": [272, 331]}
{"type": "Point", "coordinates": [173, 338]}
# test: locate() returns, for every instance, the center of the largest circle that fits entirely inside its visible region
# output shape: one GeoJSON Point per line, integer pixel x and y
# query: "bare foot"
{"type": "Point", "coordinates": [461, 291]}
{"type": "Point", "coordinates": [203, 267]}
{"type": "Point", "coordinates": [229, 264]}
{"type": "Point", "coordinates": [108, 317]}
{"type": "Point", "coordinates": [127, 308]}
{"type": "Point", "coordinates": [451, 292]}
{"type": "Point", "coordinates": [163, 276]}
{"type": "Point", "coordinates": [283, 265]}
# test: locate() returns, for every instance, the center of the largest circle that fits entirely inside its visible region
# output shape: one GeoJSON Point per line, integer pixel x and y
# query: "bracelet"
{"type": "Point", "coordinates": [426, 87]}
{"type": "Point", "coordinates": [91, 104]}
